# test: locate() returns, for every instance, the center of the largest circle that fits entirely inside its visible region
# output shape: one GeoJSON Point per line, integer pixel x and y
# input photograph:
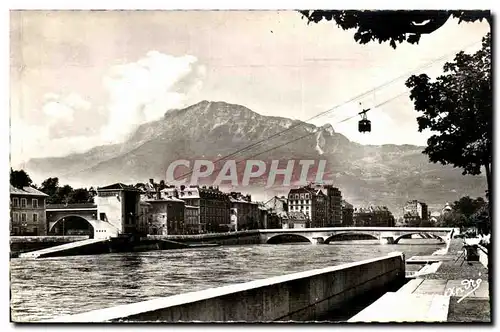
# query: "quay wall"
{"type": "Point", "coordinates": [232, 238]}
{"type": "Point", "coordinates": [20, 244]}
{"type": "Point", "coordinates": [303, 296]}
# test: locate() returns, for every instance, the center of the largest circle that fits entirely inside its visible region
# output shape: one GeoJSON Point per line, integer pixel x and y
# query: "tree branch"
{"type": "Point", "coordinates": [431, 26]}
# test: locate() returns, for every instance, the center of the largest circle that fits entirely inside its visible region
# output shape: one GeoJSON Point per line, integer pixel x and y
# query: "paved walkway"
{"type": "Point", "coordinates": [441, 296]}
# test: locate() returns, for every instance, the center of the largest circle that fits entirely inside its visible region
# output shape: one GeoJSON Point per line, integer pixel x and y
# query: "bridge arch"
{"type": "Point", "coordinates": [287, 238]}
{"type": "Point", "coordinates": [350, 236]}
{"type": "Point", "coordinates": [408, 235]}
{"type": "Point", "coordinates": [72, 224]}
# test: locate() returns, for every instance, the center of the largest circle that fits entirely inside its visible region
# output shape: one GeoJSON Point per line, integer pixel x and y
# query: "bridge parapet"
{"type": "Point", "coordinates": [391, 234]}
{"type": "Point", "coordinates": [71, 206]}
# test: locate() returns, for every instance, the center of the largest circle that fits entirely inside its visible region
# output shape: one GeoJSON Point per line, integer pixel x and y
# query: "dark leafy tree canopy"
{"type": "Point", "coordinates": [393, 26]}
{"type": "Point", "coordinates": [81, 195]}
{"type": "Point", "coordinates": [20, 179]}
{"type": "Point", "coordinates": [468, 206]}
{"type": "Point", "coordinates": [50, 186]}
{"type": "Point", "coordinates": [466, 212]}
{"type": "Point", "coordinates": [458, 106]}
{"type": "Point", "coordinates": [66, 194]}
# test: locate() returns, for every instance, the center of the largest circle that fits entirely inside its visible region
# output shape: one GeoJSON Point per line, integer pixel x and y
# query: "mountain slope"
{"type": "Point", "coordinates": [387, 174]}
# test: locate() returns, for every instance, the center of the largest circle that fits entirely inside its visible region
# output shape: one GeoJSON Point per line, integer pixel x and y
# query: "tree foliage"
{"type": "Point", "coordinates": [66, 194]}
{"type": "Point", "coordinates": [466, 212]}
{"type": "Point", "coordinates": [393, 26]}
{"type": "Point", "coordinates": [458, 107]}
{"type": "Point", "coordinates": [468, 206]}
{"type": "Point", "coordinates": [49, 186]}
{"type": "Point", "coordinates": [81, 195]}
{"type": "Point", "coordinates": [20, 179]}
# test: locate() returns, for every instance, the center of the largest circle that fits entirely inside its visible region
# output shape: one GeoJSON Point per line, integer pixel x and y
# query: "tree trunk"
{"type": "Point", "coordinates": [488, 181]}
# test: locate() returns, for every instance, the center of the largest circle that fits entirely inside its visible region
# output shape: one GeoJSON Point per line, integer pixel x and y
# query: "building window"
{"type": "Point", "coordinates": [15, 202]}
{"type": "Point", "coordinates": [34, 202]}
{"type": "Point", "coordinates": [15, 216]}
{"type": "Point", "coordinates": [23, 202]}
{"type": "Point", "coordinates": [35, 217]}
{"type": "Point", "coordinates": [23, 217]}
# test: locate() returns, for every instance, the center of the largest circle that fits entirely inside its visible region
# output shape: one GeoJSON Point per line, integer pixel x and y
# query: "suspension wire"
{"type": "Point", "coordinates": [307, 135]}
{"type": "Point", "coordinates": [421, 67]}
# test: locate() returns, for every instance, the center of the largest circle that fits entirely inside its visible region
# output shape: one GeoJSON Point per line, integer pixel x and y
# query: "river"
{"type": "Point", "coordinates": [50, 287]}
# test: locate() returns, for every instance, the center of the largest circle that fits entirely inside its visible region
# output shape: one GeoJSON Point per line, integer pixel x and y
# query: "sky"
{"type": "Point", "coordinates": [80, 79]}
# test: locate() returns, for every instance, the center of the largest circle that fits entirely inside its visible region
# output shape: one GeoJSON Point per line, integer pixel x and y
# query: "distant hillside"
{"type": "Point", "coordinates": [380, 175]}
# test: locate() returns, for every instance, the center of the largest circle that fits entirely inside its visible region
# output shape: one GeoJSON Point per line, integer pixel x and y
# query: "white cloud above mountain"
{"type": "Point", "coordinates": [136, 92]}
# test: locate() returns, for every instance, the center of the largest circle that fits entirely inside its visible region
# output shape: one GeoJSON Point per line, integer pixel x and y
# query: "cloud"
{"type": "Point", "coordinates": [137, 92]}
{"type": "Point", "coordinates": [143, 91]}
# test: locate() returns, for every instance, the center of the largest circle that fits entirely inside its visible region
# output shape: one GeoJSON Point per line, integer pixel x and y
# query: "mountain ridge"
{"type": "Point", "coordinates": [365, 173]}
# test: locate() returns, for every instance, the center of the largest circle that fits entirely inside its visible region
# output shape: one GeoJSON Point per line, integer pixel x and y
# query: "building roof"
{"type": "Point", "coordinates": [119, 186]}
{"type": "Point", "coordinates": [166, 199]}
{"type": "Point", "coordinates": [297, 215]}
{"type": "Point", "coordinates": [240, 200]}
{"type": "Point", "coordinates": [346, 204]}
{"type": "Point", "coordinates": [26, 191]}
{"type": "Point", "coordinates": [372, 209]}
{"type": "Point", "coordinates": [301, 190]}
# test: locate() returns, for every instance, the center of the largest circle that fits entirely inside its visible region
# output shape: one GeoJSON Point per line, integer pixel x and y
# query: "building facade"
{"type": "Point", "coordinates": [192, 219]}
{"type": "Point", "coordinates": [322, 203]}
{"type": "Point", "coordinates": [416, 208]}
{"type": "Point", "coordinates": [347, 214]}
{"type": "Point", "coordinates": [334, 203]}
{"type": "Point", "coordinates": [277, 204]}
{"type": "Point", "coordinates": [295, 219]}
{"type": "Point", "coordinates": [375, 216]}
{"type": "Point", "coordinates": [276, 207]}
{"type": "Point", "coordinates": [166, 216]}
{"type": "Point", "coordinates": [119, 205]}
{"type": "Point", "coordinates": [447, 208]}
{"type": "Point", "coordinates": [312, 202]}
{"type": "Point", "coordinates": [245, 214]}
{"type": "Point", "coordinates": [214, 207]}
{"type": "Point", "coordinates": [27, 211]}
{"type": "Point", "coordinates": [144, 217]}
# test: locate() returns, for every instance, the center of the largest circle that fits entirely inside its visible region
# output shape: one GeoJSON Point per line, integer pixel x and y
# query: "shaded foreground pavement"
{"type": "Point", "coordinates": [440, 296]}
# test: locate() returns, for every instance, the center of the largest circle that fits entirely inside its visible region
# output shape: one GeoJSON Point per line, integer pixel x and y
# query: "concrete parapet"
{"type": "Point", "coordinates": [302, 296]}
{"type": "Point", "coordinates": [483, 255]}
{"type": "Point", "coordinates": [228, 238]}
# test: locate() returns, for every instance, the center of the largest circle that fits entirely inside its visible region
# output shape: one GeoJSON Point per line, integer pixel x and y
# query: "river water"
{"type": "Point", "coordinates": [50, 287]}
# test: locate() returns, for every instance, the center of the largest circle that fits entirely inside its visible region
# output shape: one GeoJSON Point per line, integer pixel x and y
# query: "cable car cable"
{"type": "Point", "coordinates": [428, 64]}
{"type": "Point", "coordinates": [304, 136]}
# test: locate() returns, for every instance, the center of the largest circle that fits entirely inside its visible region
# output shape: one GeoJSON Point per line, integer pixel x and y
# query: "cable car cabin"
{"type": "Point", "coordinates": [364, 126]}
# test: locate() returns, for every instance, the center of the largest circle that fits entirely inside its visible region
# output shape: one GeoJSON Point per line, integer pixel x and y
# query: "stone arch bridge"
{"type": "Point", "coordinates": [391, 235]}
{"type": "Point", "coordinates": [56, 213]}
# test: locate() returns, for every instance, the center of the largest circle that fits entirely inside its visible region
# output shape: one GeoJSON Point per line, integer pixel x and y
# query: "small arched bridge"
{"type": "Point", "coordinates": [81, 218]}
{"type": "Point", "coordinates": [391, 235]}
